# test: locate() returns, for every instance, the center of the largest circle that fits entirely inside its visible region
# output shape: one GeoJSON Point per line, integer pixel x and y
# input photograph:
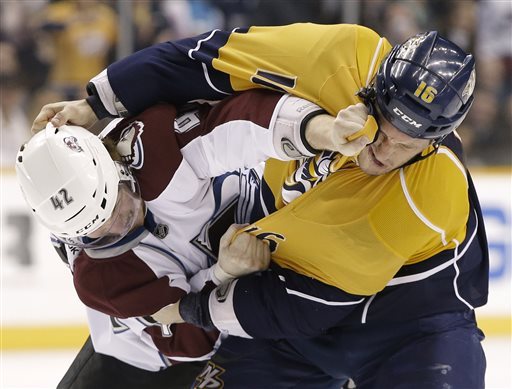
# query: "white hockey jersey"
{"type": "Point", "coordinates": [187, 170]}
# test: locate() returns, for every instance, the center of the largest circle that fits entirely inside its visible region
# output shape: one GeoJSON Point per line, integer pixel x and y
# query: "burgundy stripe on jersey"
{"type": "Point", "coordinates": [156, 169]}
{"type": "Point", "coordinates": [187, 341]}
{"type": "Point", "coordinates": [122, 286]}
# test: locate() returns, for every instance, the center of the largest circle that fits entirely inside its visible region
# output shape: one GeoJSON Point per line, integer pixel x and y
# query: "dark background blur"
{"type": "Point", "coordinates": [50, 49]}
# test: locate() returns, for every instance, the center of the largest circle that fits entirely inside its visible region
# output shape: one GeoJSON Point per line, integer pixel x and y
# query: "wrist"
{"type": "Point", "coordinates": [307, 126]}
{"type": "Point", "coordinates": [97, 107]}
{"type": "Point", "coordinates": [194, 309]}
{"type": "Point", "coordinates": [219, 275]}
{"type": "Point", "coordinates": [318, 131]}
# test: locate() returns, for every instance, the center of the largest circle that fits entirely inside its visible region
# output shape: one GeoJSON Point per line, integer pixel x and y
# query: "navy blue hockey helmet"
{"type": "Point", "coordinates": [425, 86]}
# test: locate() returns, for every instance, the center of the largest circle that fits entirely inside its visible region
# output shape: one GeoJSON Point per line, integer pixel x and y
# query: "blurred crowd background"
{"type": "Point", "coordinates": [49, 49]}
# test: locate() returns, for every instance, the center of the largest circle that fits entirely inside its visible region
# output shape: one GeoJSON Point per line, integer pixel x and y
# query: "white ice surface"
{"type": "Point", "coordinates": [43, 369]}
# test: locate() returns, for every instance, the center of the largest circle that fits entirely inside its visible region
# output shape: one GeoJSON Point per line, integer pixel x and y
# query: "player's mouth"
{"type": "Point", "coordinates": [374, 158]}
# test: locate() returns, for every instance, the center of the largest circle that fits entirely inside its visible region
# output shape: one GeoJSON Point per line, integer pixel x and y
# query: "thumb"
{"type": "Point", "coordinates": [369, 129]}
{"type": "Point", "coordinates": [353, 148]}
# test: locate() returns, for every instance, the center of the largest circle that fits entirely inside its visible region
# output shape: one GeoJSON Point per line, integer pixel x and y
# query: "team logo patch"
{"type": "Point", "coordinates": [470, 87]}
{"type": "Point", "coordinates": [210, 377]}
{"type": "Point", "coordinates": [130, 147]}
{"type": "Point", "coordinates": [310, 172]}
{"type": "Point", "coordinates": [72, 143]}
{"type": "Point", "coordinates": [161, 230]}
{"type": "Point", "coordinates": [410, 46]}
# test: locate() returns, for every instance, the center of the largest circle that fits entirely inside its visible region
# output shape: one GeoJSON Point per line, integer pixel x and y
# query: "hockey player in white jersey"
{"type": "Point", "coordinates": [131, 257]}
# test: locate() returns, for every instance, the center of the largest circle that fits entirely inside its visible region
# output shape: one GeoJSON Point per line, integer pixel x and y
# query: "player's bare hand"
{"type": "Point", "coordinates": [242, 254]}
{"type": "Point", "coordinates": [76, 112]}
{"type": "Point", "coordinates": [347, 134]}
{"type": "Point", "coordinates": [169, 314]}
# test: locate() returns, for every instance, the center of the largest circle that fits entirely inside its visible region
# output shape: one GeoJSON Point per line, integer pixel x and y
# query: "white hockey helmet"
{"type": "Point", "coordinates": [70, 181]}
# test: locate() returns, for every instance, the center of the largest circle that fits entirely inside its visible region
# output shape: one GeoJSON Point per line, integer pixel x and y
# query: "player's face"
{"type": "Point", "coordinates": [391, 150]}
{"type": "Point", "coordinates": [128, 214]}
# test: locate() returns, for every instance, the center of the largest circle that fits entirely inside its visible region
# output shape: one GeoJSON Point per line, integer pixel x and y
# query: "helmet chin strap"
{"type": "Point", "coordinates": [419, 157]}
{"type": "Point", "coordinates": [436, 144]}
{"type": "Point", "coordinates": [368, 94]}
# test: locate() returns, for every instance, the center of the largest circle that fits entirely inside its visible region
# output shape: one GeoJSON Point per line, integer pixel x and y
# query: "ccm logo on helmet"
{"type": "Point", "coordinates": [89, 225]}
{"type": "Point", "coordinates": [406, 118]}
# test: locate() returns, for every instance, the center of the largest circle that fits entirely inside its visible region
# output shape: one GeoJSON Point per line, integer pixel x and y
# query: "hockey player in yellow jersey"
{"type": "Point", "coordinates": [380, 258]}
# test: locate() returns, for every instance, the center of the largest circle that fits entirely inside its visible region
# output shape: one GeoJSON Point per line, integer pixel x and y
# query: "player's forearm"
{"type": "Point", "coordinates": [162, 72]}
{"type": "Point", "coordinates": [277, 304]}
{"type": "Point", "coordinates": [250, 128]}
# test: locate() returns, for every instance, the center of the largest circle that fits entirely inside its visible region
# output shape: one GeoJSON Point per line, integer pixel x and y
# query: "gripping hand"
{"type": "Point", "coordinates": [348, 133]}
{"type": "Point", "coordinates": [240, 255]}
{"type": "Point", "coordinates": [77, 112]}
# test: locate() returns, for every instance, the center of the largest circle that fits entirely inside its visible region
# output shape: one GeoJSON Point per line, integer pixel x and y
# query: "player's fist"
{"type": "Point", "coordinates": [347, 124]}
{"type": "Point", "coordinates": [348, 133]}
{"type": "Point", "coordinates": [240, 255]}
{"type": "Point", "coordinates": [76, 112]}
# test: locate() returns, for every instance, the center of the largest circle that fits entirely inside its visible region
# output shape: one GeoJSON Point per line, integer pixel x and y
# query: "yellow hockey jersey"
{"type": "Point", "coordinates": [350, 230]}
{"type": "Point", "coordinates": [355, 231]}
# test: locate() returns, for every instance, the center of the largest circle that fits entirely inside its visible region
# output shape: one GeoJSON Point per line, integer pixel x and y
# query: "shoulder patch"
{"type": "Point", "coordinates": [130, 145]}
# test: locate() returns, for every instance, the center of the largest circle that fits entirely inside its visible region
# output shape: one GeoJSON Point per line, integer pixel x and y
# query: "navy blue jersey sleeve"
{"type": "Point", "coordinates": [175, 72]}
{"type": "Point", "coordinates": [275, 304]}
{"type": "Point", "coordinates": [281, 303]}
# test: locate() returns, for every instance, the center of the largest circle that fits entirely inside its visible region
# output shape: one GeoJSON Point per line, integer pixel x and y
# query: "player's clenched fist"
{"type": "Point", "coordinates": [76, 112]}
{"type": "Point", "coordinates": [241, 255]}
{"type": "Point", "coordinates": [340, 134]}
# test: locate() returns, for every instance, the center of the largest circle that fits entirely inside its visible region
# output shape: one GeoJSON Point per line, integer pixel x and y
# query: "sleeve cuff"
{"type": "Point", "coordinates": [97, 106]}
{"type": "Point", "coordinates": [194, 309]}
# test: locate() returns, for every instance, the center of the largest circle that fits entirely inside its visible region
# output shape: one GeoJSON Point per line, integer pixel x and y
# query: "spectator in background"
{"type": "Point", "coordinates": [403, 19]}
{"type": "Point", "coordinates": [238, 13]}
{"type": "Point", "coordinates": [460, 23]}
{"type": "Point", "coordinates": [17, 28]}
{"type": "Point", "coordinates": [480, 26]}
{"type": "Point", "coordinates": [186, 18]}
{"type": "Point", "coordinates": [288, 11]}
{"type": "Point", "coordinates": [13, 120]}
{"type": "Point", "coordinates": [22, 72]}
{"type": "Point", "coordinates": [395, 19]}
{"type": "Point", "coordinates": [148, 23]}
{"type": "Point", "coordinates": [494, 96]}
{"type": "Point", "coordinates": [83, 33]}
